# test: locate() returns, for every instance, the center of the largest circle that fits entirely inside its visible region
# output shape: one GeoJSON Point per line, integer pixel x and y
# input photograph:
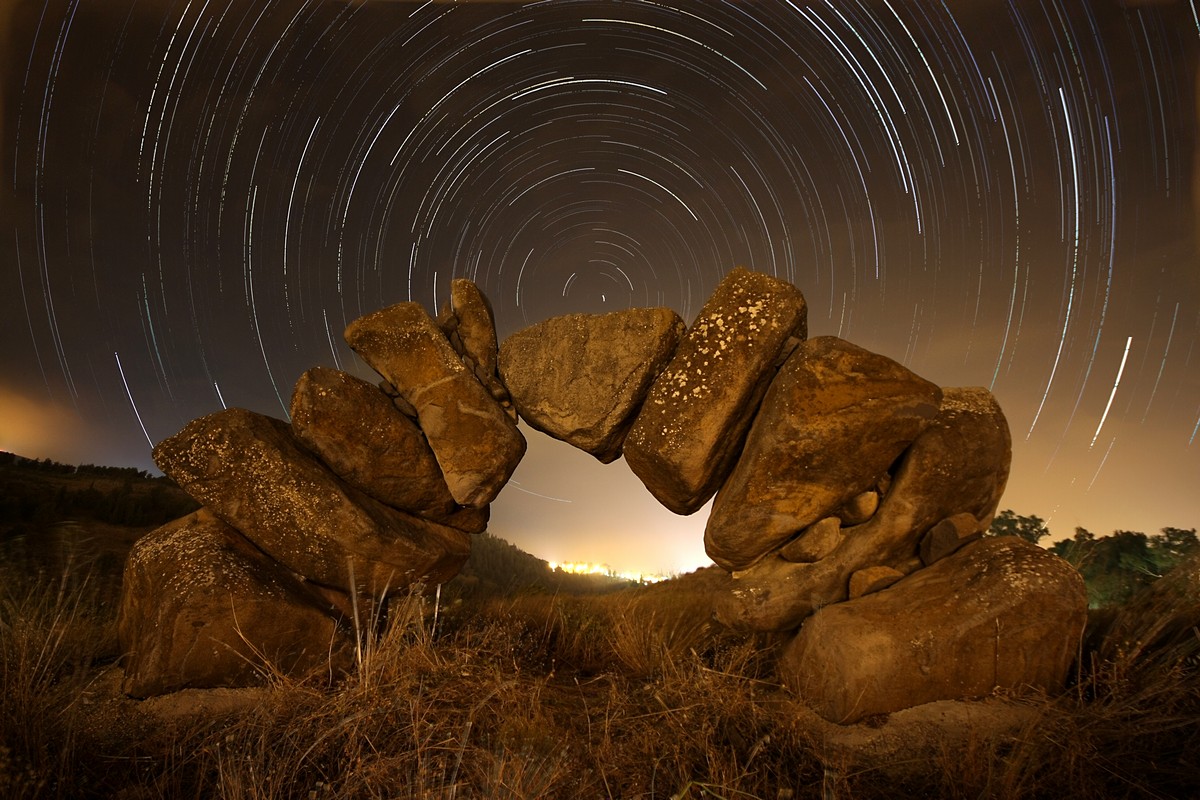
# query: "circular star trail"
{"type": "Point", "coordinates": [200, 195]}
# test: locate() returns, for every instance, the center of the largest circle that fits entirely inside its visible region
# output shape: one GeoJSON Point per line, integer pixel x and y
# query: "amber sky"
{"type": "Point", "coordinates": [198, 196]}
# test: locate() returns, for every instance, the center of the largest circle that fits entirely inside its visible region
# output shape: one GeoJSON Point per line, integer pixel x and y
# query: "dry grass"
{"type": "Point", "coordinates": [631, 695]}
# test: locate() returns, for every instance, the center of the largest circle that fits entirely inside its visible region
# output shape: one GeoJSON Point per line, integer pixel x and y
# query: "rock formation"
{"type": "Point", "coordinates": [851, 497]}
{"type": "Point", "coordinates": [582, 378]}
{"type": "Point", "coordinates": [690, 429]}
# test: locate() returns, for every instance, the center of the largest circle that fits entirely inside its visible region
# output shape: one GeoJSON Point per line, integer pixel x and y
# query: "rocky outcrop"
{"type": "Point", "coordinates": [690, 429]}
{"type": "Point", "coordinates": [833, 421]}
{"type": "Point", "coordinates": [958, 465]}
{"type": "Point", "coordinates": [852, 496]}
{"type": "Point", "coordinates": [1001, 613]}
{"type": "Point", "coordinates": [581, 378]}
{"type": "Point", "coordinates": [251, 472]}
{"type": "Point", "coordinates": [202, 607]}
{"type": "Point", "coordinates": [477, 445]}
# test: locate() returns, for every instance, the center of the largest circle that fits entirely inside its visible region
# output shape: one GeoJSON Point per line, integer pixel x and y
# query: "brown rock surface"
{"type": "Point", "coordinates": [691, 427]}
{"type": "Point", "coordinates": [201, 607]}
{"type": "Point", "coordinates": [948, 535]}
{"type": "Point", "coordinates": [581, 378]}
{"type": "Point", "coordinates": [358, 432]}
{"type": "Point", "coordinates": [470, 327]}
{"type": "Point", "coordinates": [814, 543]}
{"type": "Point", "coordinates": [1001, 613]}
{"type": "Point", "coordinates": [835, 417]}
{"type": "Point", "coordinates": [251, 472]}
{"type": "Point", "coordinates": [958, 465]}
{"type": "Point", "coordinates": [872, 579]}
{"type": "Point", "coordinates": [475, 442]}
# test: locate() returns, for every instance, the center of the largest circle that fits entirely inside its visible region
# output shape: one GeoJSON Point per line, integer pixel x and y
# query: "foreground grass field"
{"type": "Point", "coordinates": [623, 695]}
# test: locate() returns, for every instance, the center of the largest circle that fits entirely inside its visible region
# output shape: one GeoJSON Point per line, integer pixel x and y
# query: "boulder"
{"type": "Point", "coordinates": [202, 607]}
{"type": "Point", "coordinates": [1001, 613]}
{"type": "Point", "coordinates": [475, 442]}
{"type": "Point", "coordinates": [958, 465]}
{"type": "Point", "coordinates": [691, 427]}
{"type": "Point", "coordinates": [581, 378]}
{"type": "Point", "coordinates": [835, 417]}
{"type": "Point", "coordinates": [360, 435]}
{"type": "Point", "coordinates": [251, 472]}
{"type": "Point", "coordinates": [470, 327]}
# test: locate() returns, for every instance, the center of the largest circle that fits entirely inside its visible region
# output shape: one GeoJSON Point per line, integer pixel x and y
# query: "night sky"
{"type": "Point", "coordinates": [199, 195]}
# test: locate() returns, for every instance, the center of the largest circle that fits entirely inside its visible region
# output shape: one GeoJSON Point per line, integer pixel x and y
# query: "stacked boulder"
{"type": "Point", "coordinates": [307, 528]}
{"type": "Point", "coordinates": [851, 495]}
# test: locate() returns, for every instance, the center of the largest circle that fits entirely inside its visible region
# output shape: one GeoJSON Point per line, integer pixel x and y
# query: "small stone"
{"type": "Point", "coordinates": [859, 509]}
{"type": "Point", "coordinates": [817, 541]}
{"type": "Point", "coordinates": [948, 535]}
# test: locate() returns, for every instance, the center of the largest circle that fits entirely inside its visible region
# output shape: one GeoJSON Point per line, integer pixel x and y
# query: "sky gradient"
{"type": "Point", "coordinates": [197, 197]}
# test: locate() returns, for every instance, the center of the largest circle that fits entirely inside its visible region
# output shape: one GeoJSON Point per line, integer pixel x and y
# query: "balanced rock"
{"type": "Point", "coordinates": [202, 607]}
{"type": "Point", "coordinates": [835, 417]}
{"type": "Point", "coordinates": [251, 472]}
{"type": "Point", "coordinates": [1001, 613]}
{"type": "Point", "coordinates": [361, 436]}
{"type": "Point", "coordinates": [581, 378]}
{"type": "Point", "coordinates": [859, 509]}
{"type": "Point", "coordinates": [470, 327]}
{"type": "Point", "coordinates": [475, 442]}
{"type": "Point", "coordinates": [691, 427]}
{"type": "Point", "coordinates": [959, 464]}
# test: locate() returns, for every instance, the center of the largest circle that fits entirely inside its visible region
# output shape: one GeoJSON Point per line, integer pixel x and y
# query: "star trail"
{"type": "Point", "coordinates": [199, 195]}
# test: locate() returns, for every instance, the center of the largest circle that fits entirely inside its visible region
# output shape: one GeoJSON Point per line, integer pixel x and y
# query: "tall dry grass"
{"type": "Point", "coordinates": [630, 695]}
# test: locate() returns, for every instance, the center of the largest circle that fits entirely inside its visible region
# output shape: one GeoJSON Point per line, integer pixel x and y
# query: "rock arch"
{"type": "Point", "coordinates": [836, 472]}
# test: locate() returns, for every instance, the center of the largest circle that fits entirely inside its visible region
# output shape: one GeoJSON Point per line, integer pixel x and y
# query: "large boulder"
{"type": "Point", "coordinates": [834, 419]}
{"type": "Point", "coordinates": [202, 607]}
{"type": "Point", "coordinates": [958, 465]}
{"type": "Point", "coordinates": [581, 378]}
{"type": "Point", "coordinates": [251, 472]}
{"type": "Point", "coordinates": [470, 327]}
{"type": "Point", "coordinates": [357, 431]}
{"type": "Point", "coordinates": [1001, 613]}
{"type": "Point", "coordinates": [690, 429]}
{"type": "Point", "coordinates": [476, 443]}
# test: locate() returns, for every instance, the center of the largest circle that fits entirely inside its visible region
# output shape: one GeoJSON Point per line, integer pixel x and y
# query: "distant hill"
{"type": "Point", "coordinates": [44, 492]}
{"type": "Point", "coordinates": [48, 509]}
{"type": "Point", "coordinates": [497, 567]}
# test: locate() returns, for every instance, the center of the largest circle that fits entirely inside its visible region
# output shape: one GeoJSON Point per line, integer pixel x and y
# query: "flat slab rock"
{"type": "Point", "coordinates": [358, 432]}
{"type": "Point", "coordinates": [690, 429]}
{"type": "Point", "coordinates": [1001, 613]}
{"type": "Point", "coordinates": [201, 607]}
{"type": "Point", "coordinates": [581, 378]}
{"type": "Point", "coordinates": [834, 419]}
{"type": "Point", "coordinates": [477, 445]}
{"type": "Point", "coordinates": [251, 472]}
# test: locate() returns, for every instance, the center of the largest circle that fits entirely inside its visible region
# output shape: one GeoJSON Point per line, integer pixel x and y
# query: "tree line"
{"type": "Point", "coordinates": [1114, 567]}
